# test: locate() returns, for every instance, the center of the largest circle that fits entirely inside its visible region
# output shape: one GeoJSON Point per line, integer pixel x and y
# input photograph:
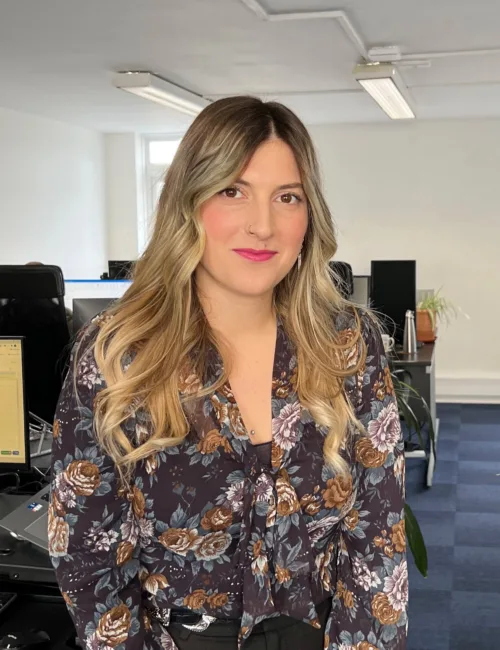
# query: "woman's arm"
{"type": "Point", "coordinates": [93, 530]}
{"type": "Point", "coordinates": [369, 607]}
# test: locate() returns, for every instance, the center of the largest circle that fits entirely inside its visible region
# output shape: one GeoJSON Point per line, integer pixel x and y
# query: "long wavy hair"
{"type": "Point", "coordinates": [160, 318]}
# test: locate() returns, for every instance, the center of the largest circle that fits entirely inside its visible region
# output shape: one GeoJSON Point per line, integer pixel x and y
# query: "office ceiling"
{"type": "Point", "coordinates": [57, 57]}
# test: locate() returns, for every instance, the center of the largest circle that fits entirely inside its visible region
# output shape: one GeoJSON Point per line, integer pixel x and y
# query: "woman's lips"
{"type": "Point", "coordinates": [255, 256]}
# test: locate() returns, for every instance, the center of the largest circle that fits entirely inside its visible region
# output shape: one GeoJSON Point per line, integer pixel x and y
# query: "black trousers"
{"type": "Point", "coordinates": [281, 633]}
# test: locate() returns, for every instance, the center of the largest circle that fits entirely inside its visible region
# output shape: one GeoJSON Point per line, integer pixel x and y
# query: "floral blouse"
{"type": "Point", "coordinates": [208, 526]}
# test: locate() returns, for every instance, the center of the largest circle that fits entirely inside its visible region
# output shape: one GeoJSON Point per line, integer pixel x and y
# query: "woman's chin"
{"type": "Point", "coordinates": [251, 288]}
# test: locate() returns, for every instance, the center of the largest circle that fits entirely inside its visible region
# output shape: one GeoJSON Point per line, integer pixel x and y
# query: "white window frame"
{"type": "Point", "coordinates": [153, 174]}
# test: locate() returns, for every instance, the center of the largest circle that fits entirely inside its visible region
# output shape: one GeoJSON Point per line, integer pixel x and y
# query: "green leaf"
{"type": "Point", "coordinates": [412, 421]}
{"type": "Point", "coordinates": [416, 541]}
{"type": "Point", "coordinates": [402, 389]}
{"type": "Point", "coordinates": [429, 417]}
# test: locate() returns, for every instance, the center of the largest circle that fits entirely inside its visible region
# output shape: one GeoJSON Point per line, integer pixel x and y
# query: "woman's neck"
{"type": "Point", "coordinates": [238, 317]}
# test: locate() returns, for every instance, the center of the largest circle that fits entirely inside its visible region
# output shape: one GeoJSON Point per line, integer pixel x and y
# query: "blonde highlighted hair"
{"type": "Point", "coordinates": [160, 322]}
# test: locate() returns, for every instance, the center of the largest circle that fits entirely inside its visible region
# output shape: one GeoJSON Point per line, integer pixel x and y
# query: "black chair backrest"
{"type": "Point", "coordinates": [32, 305]}
{"type": "Point", "coordinates": [344, 278]}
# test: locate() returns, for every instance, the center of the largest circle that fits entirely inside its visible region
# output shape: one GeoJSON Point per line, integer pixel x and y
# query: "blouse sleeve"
{"type": "Point", "coordinates": [94, 529]}
{"type": "Point", "coordinates": [369, 609]}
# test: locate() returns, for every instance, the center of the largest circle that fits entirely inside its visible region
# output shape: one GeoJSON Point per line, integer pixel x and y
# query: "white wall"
{"type": "Point", "coordinates": [51, 195]}
{"type": "Point", "coordinates": [124, 196]}
{"type": "Point", "coordinates": [427, 191]}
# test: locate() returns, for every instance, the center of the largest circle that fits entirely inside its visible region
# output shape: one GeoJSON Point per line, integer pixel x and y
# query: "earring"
{"type": "Point", "coordinates": [299, 258]}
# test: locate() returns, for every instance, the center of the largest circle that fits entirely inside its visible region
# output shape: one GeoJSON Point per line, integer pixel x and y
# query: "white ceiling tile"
{"type": "Point", "coordinates": [451, 102]}
{"type": "Point", "coordinates": [57, 58]}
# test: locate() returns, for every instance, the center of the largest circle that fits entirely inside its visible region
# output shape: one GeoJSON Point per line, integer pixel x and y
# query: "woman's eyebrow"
{"type": "Point", "coordinates": [286, 186]}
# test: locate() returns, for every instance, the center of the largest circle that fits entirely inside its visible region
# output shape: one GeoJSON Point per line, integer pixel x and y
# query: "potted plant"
{"type": "Point", "coordinates": [405, 394]}
{"type": "Point", "coordinates": [413, 440]}
{"type": "Point", "coordinates": [432, 309]}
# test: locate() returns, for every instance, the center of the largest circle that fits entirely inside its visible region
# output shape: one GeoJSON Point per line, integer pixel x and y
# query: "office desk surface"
{"type": "Point", "coordinates": [424, 356]}
{"type": "Point", "coordinates": [40, 613]}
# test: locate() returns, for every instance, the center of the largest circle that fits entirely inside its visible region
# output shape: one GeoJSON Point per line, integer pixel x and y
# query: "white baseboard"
{"type": "Point", "coordinates": [468, 390]}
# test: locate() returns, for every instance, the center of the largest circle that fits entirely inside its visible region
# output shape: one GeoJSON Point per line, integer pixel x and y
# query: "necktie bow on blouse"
{"type": "Point", "coordinates": [273, 552]}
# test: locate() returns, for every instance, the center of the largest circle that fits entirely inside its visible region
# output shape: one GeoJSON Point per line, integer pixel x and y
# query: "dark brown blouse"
{"type": "Point", "coordinates": [230, 529]}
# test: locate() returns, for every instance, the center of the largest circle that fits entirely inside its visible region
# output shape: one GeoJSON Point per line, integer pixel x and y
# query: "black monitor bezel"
{"type": "Point", "coordinates": [394, 329]}
{"type": "Point", "coordinates": [78, 324]}
{"type": "Point", "coordinates": [126, 265]}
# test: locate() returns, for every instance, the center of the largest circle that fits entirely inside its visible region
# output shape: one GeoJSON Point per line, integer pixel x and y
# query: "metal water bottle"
{"type": "Point", "coordinates": [410, 334]}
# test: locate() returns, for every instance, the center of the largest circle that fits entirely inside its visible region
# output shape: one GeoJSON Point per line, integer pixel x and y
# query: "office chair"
{"type": "Point", "coordinates": [344, 280]}
{"type": "Point", "coordinates": [32, 305]}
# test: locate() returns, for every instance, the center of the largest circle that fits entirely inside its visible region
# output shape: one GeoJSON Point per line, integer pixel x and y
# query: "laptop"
{"type": "Point", "coordinates": [21, 561]}
{"type": "Point", "coordinates": [30, 520]}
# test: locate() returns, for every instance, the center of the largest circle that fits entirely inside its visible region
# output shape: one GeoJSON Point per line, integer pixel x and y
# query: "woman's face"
{"type": "Point", "coordinates": [264, 210]}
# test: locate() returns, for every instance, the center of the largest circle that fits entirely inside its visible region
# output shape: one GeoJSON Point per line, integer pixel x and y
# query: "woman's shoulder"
{"type": "Point", "coordinates": [356, 318]}
{"type": "Point", "coordinates": [87, 335]}
{"type": "Point", "coordinates": [84, 344]}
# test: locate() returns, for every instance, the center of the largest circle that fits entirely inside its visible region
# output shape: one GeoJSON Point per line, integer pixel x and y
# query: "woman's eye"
{"type": "Point", "coordinates": [231, 192]}
{"type": "Point", "coordinates": [290, 198]}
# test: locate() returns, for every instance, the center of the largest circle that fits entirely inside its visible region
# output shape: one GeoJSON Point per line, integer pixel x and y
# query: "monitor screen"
{"type": "Point", "coordinates": [361, 290]}
{"type": "Point", "coordinates": [393, 291]}
{"type": "Point", "coordinates": [14, 431]}
{"type": "Point", "coordinates": [84, 309]}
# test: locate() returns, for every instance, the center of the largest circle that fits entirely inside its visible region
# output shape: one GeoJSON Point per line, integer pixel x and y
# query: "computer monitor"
{"type": "Point", "coordinates": [84, 309]}
{"type": "Point", "coordinates": [14, 425]}
{"type": "Point", "coordinates": [393, 290]}
{"type": "Point", "coordinates": [361, 290]}
{"type": "Point", "coordinates": [343, 278]}
{"type": "Point", "coordinates": [120, 270]}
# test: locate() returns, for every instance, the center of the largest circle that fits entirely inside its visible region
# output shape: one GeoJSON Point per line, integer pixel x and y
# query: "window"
{"type": "Point", "coordinates": [159, 151]}
{"type": "Point", "coordinates": [162, 152]}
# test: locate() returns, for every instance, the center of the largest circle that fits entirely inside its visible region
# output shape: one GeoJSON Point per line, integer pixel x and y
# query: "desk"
{"type": "Point", "coordinates": [422, 369]}
{"type": "Point", "coordinates": [40, 612]}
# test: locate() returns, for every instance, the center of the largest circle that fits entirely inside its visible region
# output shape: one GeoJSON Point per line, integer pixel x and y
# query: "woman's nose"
{"type": "Point", "coordinates": [261, 220]}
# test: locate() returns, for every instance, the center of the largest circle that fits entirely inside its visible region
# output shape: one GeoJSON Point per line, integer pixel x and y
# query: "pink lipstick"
{"type": "Point", "coordinates": [255, 255]}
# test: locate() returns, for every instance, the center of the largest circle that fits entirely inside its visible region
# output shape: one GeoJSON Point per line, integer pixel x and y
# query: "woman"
{"type": "Point", "coordinates": [228, 463]}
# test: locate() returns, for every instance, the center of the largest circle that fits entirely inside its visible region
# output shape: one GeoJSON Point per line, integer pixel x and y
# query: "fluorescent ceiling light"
{"type": "Point", "coordinates": [383, 83]}
{"type": "Point", "coordinates": [156, 89]}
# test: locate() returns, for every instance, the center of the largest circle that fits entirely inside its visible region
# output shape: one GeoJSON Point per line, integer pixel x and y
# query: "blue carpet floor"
{"type": "Point", "coordinates": [458, 606]}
